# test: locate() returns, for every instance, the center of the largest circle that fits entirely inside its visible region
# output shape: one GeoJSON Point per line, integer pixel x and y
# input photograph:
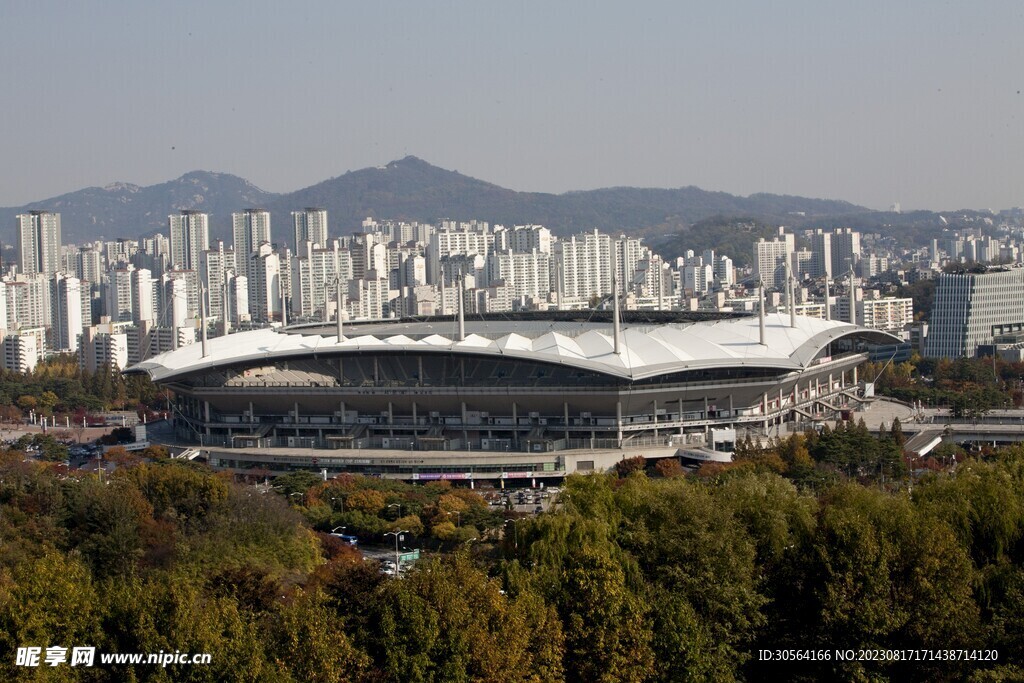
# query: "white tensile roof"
{"type": "Point", "coordinates": [645, 350]}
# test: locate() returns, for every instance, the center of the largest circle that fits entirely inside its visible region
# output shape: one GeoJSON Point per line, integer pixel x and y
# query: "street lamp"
{"type": "Point", "coordinates": [458, 517]}
{"type": "Point", "coordinates": [342, 499]}
{"type": "Point", "coordinates": [399, 506]}
{"type": "Point", "coordinates": [398, 537]}
{"type": "Point", "coordinates": [335, 529]}
{"type": "Point", "coordinates": [296, 493]}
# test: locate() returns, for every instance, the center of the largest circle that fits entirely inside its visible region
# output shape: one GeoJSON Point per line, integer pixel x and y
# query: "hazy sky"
{"type": "Point", "coordinates": [872, 102]}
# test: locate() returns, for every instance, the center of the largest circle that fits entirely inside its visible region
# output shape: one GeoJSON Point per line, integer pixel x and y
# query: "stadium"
{"type": "Point", "coordinates": [504, 397]}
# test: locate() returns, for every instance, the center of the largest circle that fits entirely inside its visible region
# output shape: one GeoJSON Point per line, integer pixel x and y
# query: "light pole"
{"type": "Point", "coordinates": [399, 506]}
{"type": "Point", "coordinates": [398, 536]}
{"type": "Point", "coordinates": [342, 499]}
{"type": "Point", "coordinates": [296, 493]}
{"type": "Point", "coordinates": [458, 517]}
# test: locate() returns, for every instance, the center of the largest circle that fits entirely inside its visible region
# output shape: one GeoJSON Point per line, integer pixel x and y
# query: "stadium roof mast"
{"type": "Point", "coordinates": [828, 307]}
{"type": "Point", "coordinates": [202, 317]}
{"type": "Point", "coordinates": [616, 322]}
{"type": "Point", "coordinates": [442, 291]}
{"type": "Point", "coordinates": [853, 299]}
{"type": "Point", "coordinates": [225, 319]}
{"type": "Point", "coordinates": [760, 309]}
{"type": "Point", "coordinates": [341, 307]}
{"type": "Point", "coordinates": [284, 301]}
{"type": "Point", "coordinates": [462, 309]}
{"type": "Point", "coordinates": [790, 294]}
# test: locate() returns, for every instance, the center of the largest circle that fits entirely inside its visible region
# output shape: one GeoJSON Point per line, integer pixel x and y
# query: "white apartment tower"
{"type": "Point", "coordinates": [314, 277]}
{"type": "Point", "coordinates": [213, 269]}
{"type": "Point", "coordinates": [310, 225]}
{"type": "Point", "coordinates": [770, 259]}
{"type": "Point", "coordinates": [845, 251]}
{"type": "Point", "coordinates": [821, 255]}
{"type": "Point", "coordinates": [39, 242]}
{"type": "Point", "coordinates": [67, 313]}
{"type": "Point", "coordinates": [456, 239]}
{"type": "Point", "coordinates": [119, 294]}
{"type": "Point", "coordinates": [143, 296]}
{"type": "Point", "coordinates": [190, 236]}
{"type": "Point", "coordinates": [264, 284]}
{"type": "Point", "coordinates": [250, 228]}
{"type": "Point", "coordinates": [21, 352]}
{"type": "Point", "coordinates": [583, 266]}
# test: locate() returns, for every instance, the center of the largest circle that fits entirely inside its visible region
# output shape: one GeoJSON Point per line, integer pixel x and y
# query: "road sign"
{"type": "Point", "coordinates": [410, 556]}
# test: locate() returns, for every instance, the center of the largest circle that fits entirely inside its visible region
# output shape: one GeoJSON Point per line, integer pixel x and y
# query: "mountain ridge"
{"type": "Point", "coordinates": [404, 189]}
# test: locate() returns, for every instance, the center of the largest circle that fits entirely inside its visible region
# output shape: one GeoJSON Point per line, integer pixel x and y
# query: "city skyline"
{"type": "Point", "coordinates": [873, 104]}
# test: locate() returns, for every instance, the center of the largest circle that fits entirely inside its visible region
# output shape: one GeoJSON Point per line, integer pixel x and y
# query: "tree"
{"type": "Point", "coordinates": [306, 625]}
{"type": "Point", "coordinates": [607, 637]}
{"type": "Point", "coordinates": [51, 600]}
{"type": "Point", "coordinates": [47, 401]}
{"type": "Point", "coordinates": [669, 468]}
{"type": "Point", "coordinates": [685, 539]}
{"type": "Point", "coordinates": [106, 524]}
{"type": "Point", "coordinates": [410, 523]}
{"type": "Point", "coordinates": [880, 574]}
{"type": "Point", "coordinates": [366, 500]}
{"type": "Point", "coordinates": [628, 466]}
{"type": "Point", "coordinates": [897, 434]}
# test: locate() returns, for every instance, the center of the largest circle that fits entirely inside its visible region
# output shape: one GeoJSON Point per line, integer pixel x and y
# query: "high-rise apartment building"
{"type": "Point", "coordinates": [821, 255]}
{"type": "Point", "coordinates": [21, 352]}
{"type": "Point", "coordinates": [265, 294]}
{"type": "Point", "coordinates": [190, 236]}
{"type": "Point", "coordinates": [583, 266]}
{"type": "Point", "coordinates": [770, 259]}
{"type": "Point", "coordinates": [39, 243]}
{"type": "Point", "coordinates": [250, 228]}
{"type": "Point", "coordinates": [119, 293]}
{"type": "Point", "coordinates": [310, 226]}
{"type": "Point", "coordinates": [214, 266]}
{"type": "Point", "coordinates": [523, 239]}
{"type": "Point", "coordinates": [525, 274]}
{"type": "Point", "coordinates": [314, 279]}
{"type": "Point", "coordinates": [67, 313]}
{"type": "Point", "coordinates": [454, 239]}
{"type": "Point", "coordinates": [845, 250]}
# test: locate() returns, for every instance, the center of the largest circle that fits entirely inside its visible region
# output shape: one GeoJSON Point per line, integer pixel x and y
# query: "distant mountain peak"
{"type": "Point", "coordinates": [122, 187]}
{"type": "Point", "coordinates": [410, 160]}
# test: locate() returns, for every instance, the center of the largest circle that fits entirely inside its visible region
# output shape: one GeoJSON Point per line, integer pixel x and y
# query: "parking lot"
{"type": "Point", "coordinates": [522, 501]}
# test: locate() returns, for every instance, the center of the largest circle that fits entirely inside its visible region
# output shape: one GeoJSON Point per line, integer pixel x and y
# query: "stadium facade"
{"type": "Point", "coordinates": [502, 398]}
